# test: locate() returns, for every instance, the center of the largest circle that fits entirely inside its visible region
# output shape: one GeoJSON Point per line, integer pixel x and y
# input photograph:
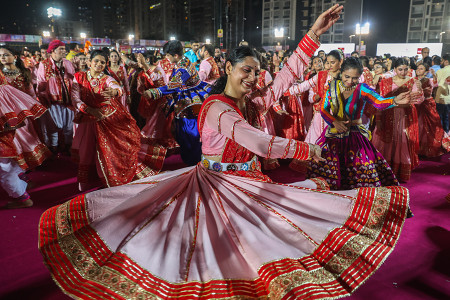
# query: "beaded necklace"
{"type": "Point", "coordinates": [10, 73]}
{"type": "Point", "coordinates": [94, 81]}
{"type": "Point", "coordinates": [344, 88]}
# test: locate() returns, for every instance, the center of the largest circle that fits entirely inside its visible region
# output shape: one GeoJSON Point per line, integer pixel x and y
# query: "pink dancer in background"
{"type": "Point", "coordinates": [15, 108]}
{"type": "Point", "coordinates": [434, 141]}
{"type": "Point", "coordinates": [31, 152]}
{"type": "Point", "coordinates": [319, 84]}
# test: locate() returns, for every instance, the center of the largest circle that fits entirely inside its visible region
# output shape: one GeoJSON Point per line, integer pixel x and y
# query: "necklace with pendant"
{"type": "Point", "coordinates": [10, 73]}
{"type": "Point", "coordinates": [343, 87]}
{"type": "Point", "coordinates": [94, 81]}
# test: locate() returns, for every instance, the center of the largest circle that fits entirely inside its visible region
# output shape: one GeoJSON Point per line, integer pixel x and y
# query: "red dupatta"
{"type": "Point", "coordinates": [117, 135]}
{"type": "Point", "coordinates": [385, 119]}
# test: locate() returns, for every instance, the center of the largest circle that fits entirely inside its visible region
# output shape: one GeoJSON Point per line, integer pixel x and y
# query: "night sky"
{"type": "Point", "coordinates": [388, 18]}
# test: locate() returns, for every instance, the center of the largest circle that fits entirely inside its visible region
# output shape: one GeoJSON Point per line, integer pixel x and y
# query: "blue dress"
{"type": "Point", "coordinates": [187, 93]}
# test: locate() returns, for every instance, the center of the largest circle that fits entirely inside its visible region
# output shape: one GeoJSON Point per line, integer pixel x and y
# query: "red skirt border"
{"type": "Point", "coordinates": [84, 267]}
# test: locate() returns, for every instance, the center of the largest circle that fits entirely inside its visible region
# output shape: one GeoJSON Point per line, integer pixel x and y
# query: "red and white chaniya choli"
{"type": "Point", "coordinates": [30, 150]}
{"type": "Point", "coordinates": [221, 229]}
{"type": "Point", "coordinates": [15, 108]}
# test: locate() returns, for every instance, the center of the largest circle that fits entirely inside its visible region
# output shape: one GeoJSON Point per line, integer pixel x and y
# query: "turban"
{"type": "Point", "coordinates": [54, 44]}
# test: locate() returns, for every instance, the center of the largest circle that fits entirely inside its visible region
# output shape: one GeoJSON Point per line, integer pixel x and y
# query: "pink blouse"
{"type": "Point", "coordinates": [223, 122]}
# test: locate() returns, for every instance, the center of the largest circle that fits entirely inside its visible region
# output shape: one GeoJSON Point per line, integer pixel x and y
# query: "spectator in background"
{"type": "Point", "coordinates": [43, 49]}
{"type": "Point", "coordinates": [220, 60]}
{"type": "Point", "coordinates": [73, 50]}
{"type": "Point", "coordinates": [81, 65]}
{"type": "Point", "coordinates": [355, 54]}
{"type": "Point", "coordinates": [435, 66]}
{"type": "Point", "coordinates": [322, 55]}
{"type": "Point", "coordinates": [193, 54]}
{"type": "Point", "coordinates": [425, 53]}
{"type": "Point", "coordinates": [442, 93]}
{"type": "Point", "coordinates": [209, 70]}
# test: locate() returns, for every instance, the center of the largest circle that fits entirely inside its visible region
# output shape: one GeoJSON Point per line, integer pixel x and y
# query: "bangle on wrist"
{"type": "Point", "coordinates": [315, 34]}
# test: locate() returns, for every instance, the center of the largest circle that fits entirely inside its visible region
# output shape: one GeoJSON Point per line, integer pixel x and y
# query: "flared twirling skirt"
{"type": "Point", "coordinates": [196, 233]}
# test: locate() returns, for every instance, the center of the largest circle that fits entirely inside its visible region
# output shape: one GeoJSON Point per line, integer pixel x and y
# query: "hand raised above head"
{"type": "Point", "coordinates": [327, 19]}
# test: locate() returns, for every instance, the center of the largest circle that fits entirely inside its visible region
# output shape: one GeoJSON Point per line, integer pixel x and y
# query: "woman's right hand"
{"type": "Point", "coordinates": [403, 98]}
{"type": "Point", "coordinates": [96, 113]}
{"type": "Point", "coordinates": [141, 62]}
{"type": "Point", "coordinates": [341, 126]}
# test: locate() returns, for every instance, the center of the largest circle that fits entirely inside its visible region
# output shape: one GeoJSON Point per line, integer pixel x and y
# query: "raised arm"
{"type": "Point", "coordinates": [299, 60]}
{"type": "Point", "coordinates": [299, 88]}
{"type": "Point", "coordinates": [178, 79]}
{"type": "Point", "coordinates": [417, 96]}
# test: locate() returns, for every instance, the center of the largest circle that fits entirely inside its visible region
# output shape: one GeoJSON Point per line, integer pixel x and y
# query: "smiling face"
{"type": "Point", "coordinates": [173, 58]}
{"type": "Point", "coordinates": [242, 77]}
{"type": "Point", "coordinates": [421, 70]}
{"type": "Point", "coordinates": [98, 64]}
{"type": "Point", "coordinates": [402, 71]}
{"type": "Point", "coordinates": [6, 57]}
{"type": "Point", "coordinates": [350, 77]}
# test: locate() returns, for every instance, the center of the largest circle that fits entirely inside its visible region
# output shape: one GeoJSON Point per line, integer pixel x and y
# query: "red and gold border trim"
{"type": "Point", "coordinates": [84, 267]}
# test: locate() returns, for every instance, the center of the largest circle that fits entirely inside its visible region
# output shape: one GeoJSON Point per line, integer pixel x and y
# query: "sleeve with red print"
{"type": "Point", "coordinates": [234, 127]}
{"type": "Point", "coordinates": [293, 70]}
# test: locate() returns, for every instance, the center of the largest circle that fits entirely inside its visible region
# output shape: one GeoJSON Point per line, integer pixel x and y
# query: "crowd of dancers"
{"type": "Point", "coordinates": [220, 227]}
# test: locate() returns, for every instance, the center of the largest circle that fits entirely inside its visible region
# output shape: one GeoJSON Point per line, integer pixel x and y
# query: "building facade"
{"type": "Point", "coordinates": [296, 17]}
{"type": "Point", "coordinates": [429, 21]}
{"type": "Point", "coordinates": [280, 15]}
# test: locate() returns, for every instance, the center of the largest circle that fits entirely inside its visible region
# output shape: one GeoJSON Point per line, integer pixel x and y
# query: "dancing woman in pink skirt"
{"type": "Point", "coordinates": [221, 229]}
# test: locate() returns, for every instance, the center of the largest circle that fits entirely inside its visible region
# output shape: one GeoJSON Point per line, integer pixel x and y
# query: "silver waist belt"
{"type": "Point", "coordinates": [251, 165]}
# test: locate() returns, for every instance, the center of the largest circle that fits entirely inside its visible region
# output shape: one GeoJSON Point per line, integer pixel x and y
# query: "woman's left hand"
{"type": "Point", "coordinates": [109, 93]}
